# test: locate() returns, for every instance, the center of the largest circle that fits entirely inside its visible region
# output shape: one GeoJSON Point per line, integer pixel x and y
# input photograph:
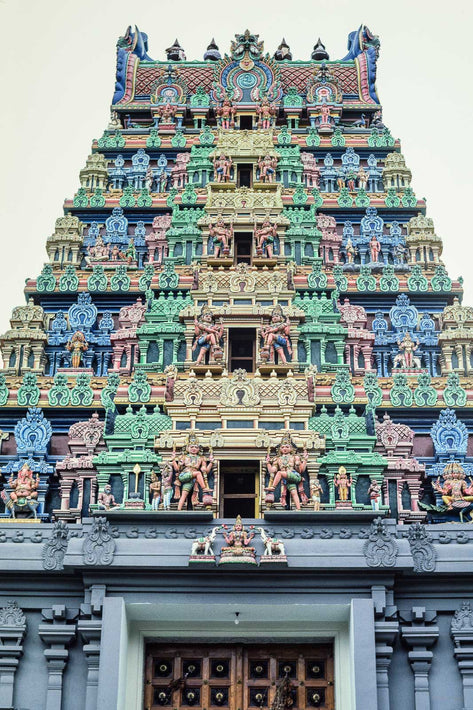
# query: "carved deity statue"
{"type": "Point", "coordinates": [363, 176]}
{"type": "Point", "coordinates": [342, 482]}
{"type": "Point", "coordinates": [267, 168]}
{"type": "Point", "coordinates": [350, 251]}
{"type": "Point", "coordinates": [191, 467]}
{"type": "Point", "coordinates": [166, 485]}
{"type": "Point", "coordinates": [405, 358]}
{"type": "Point", "coordinates": [208, 336]}
{"type": "Point", "coordinates": [226, 114]}
{"type": "Point", "coordinates": [106, 499]}
{"type": "Point", "coordinates": [77, 346]}
{"type": "Point", "coordinates": [374, 492]}
{"type": "Point", "coordinates": [375, 248]}
{"type": "Point", "coordinates": [456, 493]}
{"type": "Point", "coordinates": [340, 180]}
{"type": "Point", "coordinates": [149, 179]}
{"type": "Point", "coordinates": [266, 113]}
{"type": "Point", "coordinates": [238, 543]}
{"type": "Point", "coordinates": [399, 252]}
{"type": "Point", "coordinates": [276, 337]}
{"type": "Point", "coordinates": [222, 168]}
{"type": "Point", "coordinates": [155, 491]}
{"type": "Point", "coordinates": [129, 255]}
{"type": "Point", "coordinates": [98, 252]}
{"type": "Point", "coordinates": [287, 469]}
{"type": "Point", "coordinates": [264, 238]}
{"type": "Point", "coordinates": [316, 492]}
{"type": "Point", "coordinates": [221, 236]}
{"type": "Point", "coordinates": [167, 112]}
{"type": "Point", "coordinates": [350, 178]}
{"type": "Point", "coordinates": [22, 498]}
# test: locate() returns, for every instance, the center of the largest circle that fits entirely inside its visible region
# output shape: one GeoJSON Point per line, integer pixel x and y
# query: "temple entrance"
{"type": "Point", "coordinates": [242, 349]}
{"type": "Point", "coordinates": [239, 486]}
{"type": "Point", "coordinates": [239, 676]}
{"type": "Point", "coordinates": [245, 175]}
{"type": "Point", "coordinates": [243, 247]}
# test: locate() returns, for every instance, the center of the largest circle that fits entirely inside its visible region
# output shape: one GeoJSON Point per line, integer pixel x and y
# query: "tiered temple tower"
{"type": "Point", "coordinates": [244, 316]}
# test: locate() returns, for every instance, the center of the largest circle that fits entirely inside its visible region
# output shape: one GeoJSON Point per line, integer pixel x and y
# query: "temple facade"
{"type": "Point", "coordinates": [236, 407]}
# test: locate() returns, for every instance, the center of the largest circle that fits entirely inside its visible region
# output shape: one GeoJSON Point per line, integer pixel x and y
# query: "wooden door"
{"type": "Point", "coordinates": [233, 677]}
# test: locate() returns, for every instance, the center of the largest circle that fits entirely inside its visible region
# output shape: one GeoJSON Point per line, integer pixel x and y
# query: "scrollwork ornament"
{"type": "Point", "coordinates": [55, 548]}
{"type": "Point", "coordinates": [380, 549]}
{"type": "Point", "coordinates": [99, 545]}
{"type": "Point", "coordinates": [422, 550]}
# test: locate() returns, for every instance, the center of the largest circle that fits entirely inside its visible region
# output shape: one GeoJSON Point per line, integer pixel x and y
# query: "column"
{"type": "Point", "coordinates": [57, 633]}
{"type": "Point", "coordinates": [420, 636]}
{"type": "Point", "coordinates": [462, 635]}
{"type": "Point", "coordinates": [363, 653]}
{"type": "Point", "coordinates": [89, 627]}
{"type": "Point", "coordinates": [12, 633]}
{"type": "Point", "coordinates": [386, 629]}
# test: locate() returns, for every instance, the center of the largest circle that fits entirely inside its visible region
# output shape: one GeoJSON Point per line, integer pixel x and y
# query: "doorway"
{"type": "Point", "coordinates": [242, 345]}
{"type": "Point", "coordinates": [244, 175]}
{"type": "Point", "coordinates": [239, 676]}
{"type": "Point", "coordinates": [243, 247]}
{"type": "Point", "coordinates": [239, 486]}
{"type": "Point", "coordinates": [246, 123]}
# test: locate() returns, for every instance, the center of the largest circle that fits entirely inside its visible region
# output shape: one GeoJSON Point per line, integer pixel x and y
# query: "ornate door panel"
{"type": "Point", "coordinates": [239, 677]}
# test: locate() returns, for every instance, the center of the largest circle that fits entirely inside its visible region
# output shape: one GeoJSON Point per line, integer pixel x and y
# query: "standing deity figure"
{"type": "Point", "coordinates": [406, 358]}
{"type": "Point", "coordinates": [24, 492]}
{"type": "Point", "coordinates": [456, 493]}
{"type": "Point", "coordinates": [267, 168]}
{"type": "Point", "coordinates": [276, 337]}
{"type": "Point", "coordinates": [264, 237]}
{"type": "Point", "coordinates": [149, 179]}
{"type": "Point", "coordinates": [166, 485]}
{"type": "Point", "coordinates": [351, 177]}
{"type": "Point", "coordinates": [350, 251]}
{"type": "Point", "coordinates": [129, 255]}
{"type": "Point", "coordinates": [342, 482]}
{"type": "Point", "coordinates": [362, 178]}
{"type": "Point", "coordinates": [222, 168]}
{"type": "Point", "coordinates": [106, 499]}
{"type": "Point", "coordinates": [155, 491]}
{"type": "Point", "coordinates": [316, 492]}
{"type": "Point", "coordinates": [375, 248]}
{"type": "Point", "coordinates": [340, 180]}
{"type": "Point", "coordinates": [115, 253]}
{"type": "Point", "coordinates": [399, 253]}
{"type": "Point", "coordinates": [77, 346]}
{"type": "Point", "coordinates": [287, 468]}
{"type": "Point", "coordinates": [221, 236]}
{"type": "Point", "coordinates": [98, 252]}
{"type": "Point", "coordinates": [191, 468]}
{"type": "Point", "coordinates": [266, 113]}
{"type": "Point", "coordinates": [374, 492]}
{"type": "Point", "coordinates": [208, 336]}
{"type": "Point", "coordinates": [226, 114]}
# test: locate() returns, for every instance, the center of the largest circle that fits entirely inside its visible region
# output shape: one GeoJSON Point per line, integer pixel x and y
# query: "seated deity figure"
{"type": "Point", "coordinates": [287, 469]}
{"type": "Point", "coordinates": [98, 252]}
{"type": "Point", "coordinates": [167, 113]}
{"type": "Point", "coordinates": [22, 498]}
{"type": "Point", "coordinates": [342, 482]}
{"type": "Point", "coordinates": [222, 168]}
{"type": "Point", "coordinates": [264, 238]}
{"type": "Point", "coordinates": [221, 236]}
{"type": "Point", "coordinates": [106, 499]}
{"type": "Point", "coordinates": [226, 114]}
{"type": "Point", "coordinates": [77, 346]}
{"type": "Point", "coordinates": [238, 544]}
{"type": "Point", "coordinates": [191, 468]}
{"type": "Point", "coordinates": [208, 336]}
{"type": "Point", "coordinates": [267, 168]}
{"type": "Point", "coordinates": [456, 493]}
{"type": "Point", "coordinates": [266, 113]}
{"type": "Point", "coordinates": [405, 358]}
{"type": "Point", "coordinates": [276, 337]}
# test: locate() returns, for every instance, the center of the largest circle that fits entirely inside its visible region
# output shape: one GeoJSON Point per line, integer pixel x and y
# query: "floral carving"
{"type": "Point", "coordinates": [381, 549]}
{"type": "Point", "coordinates": [99, 545]}
{"type": "Point", "coordinates": [55, 548]}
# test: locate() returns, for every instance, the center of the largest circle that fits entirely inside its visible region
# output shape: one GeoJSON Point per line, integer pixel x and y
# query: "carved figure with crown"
{"type": "Point", "coordinates": [192, 468]}
{"type": "Point", "coordinates": [264, 239]}
{"type": "Point", "coordinates": [276, 338]}
{"type": "Point", "coordinates": [98, 252]}
{"type": "Point", "coordinates": [343, 483]}
{"type": "Point", "coordinates": [77, 345]}
{"type": "Point", "coordinates": [208, 337]}
{"type": "Point", "coordinates": [226, 114]}
{"type": "Point", "coordinates": [221, 237]}
{"type": "Point", "coordinates": [238, 549]}
{"type": "Point", "coordinates": [222, 168]}
{"type": "Point", "coordinates": [266, 113]}
{"type": "Point", "coordinates": [22, 498]}
{"type": "Point", "coordinates": [267, 168]}
{"type": "Point", "coordinates": [286, 469]}
{"type": "Point", "coordinates": [405, 359]}
{"type": "Point", "coordinates": [456, 493]}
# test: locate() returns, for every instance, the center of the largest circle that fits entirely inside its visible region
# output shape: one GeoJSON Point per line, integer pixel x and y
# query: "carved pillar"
{"type": "Point", "coordinates": [462, 635]}
{"type": "Point", "coordinates": [57, 634]}
{"type": "Point", "coordinates": [420, 637]}
{"type": "Point", "coordinates": [89, 627]}
{"type": "Point", "coordinates": [65, 488]}
{"type": "Point", "coordinates": [12, 632]}
{"type": "Point", "coordinates": [386, 629]}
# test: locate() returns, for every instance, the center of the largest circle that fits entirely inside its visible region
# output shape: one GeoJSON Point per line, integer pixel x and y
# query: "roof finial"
{"type": "Point", "coordinates": [283, 51]}
{"type": "Point", "coordinates": [319, 52]}
{"type": "Point", "coordinates": [175, 53]}
{"type": "Point", "coordinates": [212, 54]}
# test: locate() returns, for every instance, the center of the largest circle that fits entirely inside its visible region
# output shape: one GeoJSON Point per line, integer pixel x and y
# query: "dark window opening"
{"type": "Point", "coordinates": [239, 485]}
{"type": "Point", "coordinates": [243, 247]}
{"type": "Point", "coordinates": [242, 348]}
{"type": "Point", "coordinates": [245, 175]}
{"type": "Point", "coordinates": [246, 123]}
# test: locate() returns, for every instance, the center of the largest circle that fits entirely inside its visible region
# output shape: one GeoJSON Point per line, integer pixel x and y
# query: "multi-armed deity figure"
{"type": "Point", "coordinates": [267, 168]}
{"type": "Point", "coordinates": [23, 495]}
{"type": "Point", "coordinates": [276, 337]}
{"type": "Point", "coordinates": [222, 168]}
{"type": "Point", "coordinates": [405, 358]}
{"type": "Point", "coordinates": [342, 483]}
{"type": "Point", "coordinates": [266, 113]}
{"type": "Point", "coordinates": [208, 336]}
{"type": "Point", "coordinates": [221, 236]}
{"type": "Point", "coordinates": [238, 545]}
{"type": "Point", "coordinates": [264, 238]}
{"type": "Point", "coordinates": [192, 467]}
{"type": "Point", "coordinates": [77, 346]}
{"type": "Point", "coordinates": [166, 113]}
{"type": "Point", "coordinates": [456, 493]}
{"type": "Point", "coordinates": [226, 114]}
{"type": "Point", "coordinates": [287, 469]}
{"type": "Point", "coordinates": [98, 252]}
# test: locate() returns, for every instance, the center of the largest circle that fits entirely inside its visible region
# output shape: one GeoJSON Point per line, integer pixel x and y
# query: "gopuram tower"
{"type": "Point", "coordinates": [237, 469]}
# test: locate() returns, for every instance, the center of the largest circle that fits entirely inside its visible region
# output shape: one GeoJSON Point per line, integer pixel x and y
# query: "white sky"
{"type": "Point", "coordinates": [57, 77]}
